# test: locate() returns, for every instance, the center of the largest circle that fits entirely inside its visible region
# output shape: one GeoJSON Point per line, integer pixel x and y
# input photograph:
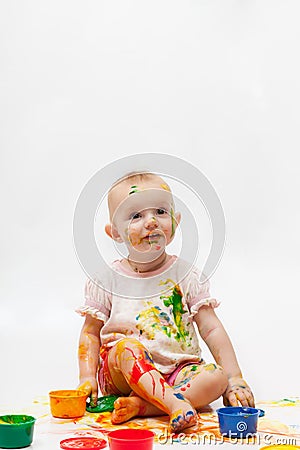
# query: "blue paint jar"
{"type": "Point", "coordinates": [238, 421]}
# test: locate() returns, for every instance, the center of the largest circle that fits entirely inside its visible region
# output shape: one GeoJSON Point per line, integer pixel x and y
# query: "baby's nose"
{"type": "Point", "coordinates": [151, 222]}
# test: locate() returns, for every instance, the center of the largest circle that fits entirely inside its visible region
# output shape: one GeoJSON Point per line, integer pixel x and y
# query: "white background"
{"type": "Point", "coordinates": [85, 83]}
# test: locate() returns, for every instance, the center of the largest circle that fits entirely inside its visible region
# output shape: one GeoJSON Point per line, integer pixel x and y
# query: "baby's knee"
{"type": "Point", "coordinates": [128, 344]}
{"type": "Point", "coordinates": [219, 375]}
{"type": "Point", "coordinates": [222, 379]}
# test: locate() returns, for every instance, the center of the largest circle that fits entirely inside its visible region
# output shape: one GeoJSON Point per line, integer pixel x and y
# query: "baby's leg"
{"type": "Point", "coordinates": [131, 368]}
{"type": "Point", "coordinates": [201, 384]}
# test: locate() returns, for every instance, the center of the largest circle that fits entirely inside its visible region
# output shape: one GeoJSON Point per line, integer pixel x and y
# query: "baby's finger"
{"type": "Point", "coordinates": [231, 396]}
{"type": "Point", "coordinates": [245, 397]}
{"type": "Point", "coordinates": [225, 401]}
{"type": "Point", "coordinates": [86, 386]}
{"type": "Point", "coordinates": [93, 401]}
{"type": "Point", "coordinates": [250, 398]}
{"type": "Point", "coordinates": [242, 399]}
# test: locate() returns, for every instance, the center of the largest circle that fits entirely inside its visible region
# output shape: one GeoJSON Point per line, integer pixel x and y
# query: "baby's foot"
{"type": "Point", "coordinates": [182, 418]}
{"type": "Point", "coordinates": [125, 408]}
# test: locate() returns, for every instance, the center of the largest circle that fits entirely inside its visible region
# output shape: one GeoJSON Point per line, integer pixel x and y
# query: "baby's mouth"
{"type": "Point", "coordinates": [152, 237]}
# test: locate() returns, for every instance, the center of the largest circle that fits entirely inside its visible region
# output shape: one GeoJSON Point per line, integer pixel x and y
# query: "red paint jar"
{"type": "Point", "coordinates": [129, 438]}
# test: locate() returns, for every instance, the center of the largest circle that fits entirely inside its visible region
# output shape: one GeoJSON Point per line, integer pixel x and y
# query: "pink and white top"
{"type": "Point", "coordinates": [163, 321]}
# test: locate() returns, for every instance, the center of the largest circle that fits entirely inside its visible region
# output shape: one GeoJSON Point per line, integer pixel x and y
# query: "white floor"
{"type": "Point", "coordinates": [49, 432]}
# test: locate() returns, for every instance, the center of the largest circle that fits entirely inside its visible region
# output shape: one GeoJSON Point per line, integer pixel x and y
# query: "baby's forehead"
{"type": "Point", "coordinates": [142, 195]}
{"type": "Point", "coordinates": [132, 185]}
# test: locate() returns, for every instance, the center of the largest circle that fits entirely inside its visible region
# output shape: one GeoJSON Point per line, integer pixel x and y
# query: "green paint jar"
{"type": "Point", "coordinates": [16, 430]}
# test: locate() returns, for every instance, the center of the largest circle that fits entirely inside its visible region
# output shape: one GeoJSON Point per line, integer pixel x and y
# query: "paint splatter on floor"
{"type": "Point", "coordinates": [281, 424]}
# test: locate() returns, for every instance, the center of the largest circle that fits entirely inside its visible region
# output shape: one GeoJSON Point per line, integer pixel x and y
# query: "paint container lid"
{"type": "Point", "coordinates": [83, 443]}
{"type": "Point", "coordinates": [104, 404]}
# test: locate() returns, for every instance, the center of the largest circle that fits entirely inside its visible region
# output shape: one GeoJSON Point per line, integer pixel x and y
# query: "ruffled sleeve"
{"type": "Point", "coordinates": [198, 294]}
{"type": "Point", "coordinates": [97, 301]}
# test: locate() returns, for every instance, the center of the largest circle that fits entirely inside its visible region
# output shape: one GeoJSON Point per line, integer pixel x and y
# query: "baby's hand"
{"type": "Point", "coordinates": [90, 385]}
{"type": "Point", "coordinates": [238, 391]}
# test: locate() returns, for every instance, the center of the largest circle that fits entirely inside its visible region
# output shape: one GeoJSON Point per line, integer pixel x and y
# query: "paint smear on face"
{"type": "Point", "coordinates": [134, 238]}
{"type": "Point", "coordinates": [173, 222]}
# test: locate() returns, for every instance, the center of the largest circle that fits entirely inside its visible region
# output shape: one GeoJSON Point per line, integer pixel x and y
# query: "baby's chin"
{"type": "Point", "coordinates": [147, 254]}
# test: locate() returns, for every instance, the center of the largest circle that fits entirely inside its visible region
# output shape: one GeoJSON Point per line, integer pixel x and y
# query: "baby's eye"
{"type": "Point", "coordinates": [135, 216]}
{"type": "Point", "coordinates": [161, 211]}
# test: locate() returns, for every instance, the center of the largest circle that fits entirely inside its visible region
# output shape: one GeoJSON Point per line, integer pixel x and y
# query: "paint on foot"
{"type": "Point", "coordinates": [181, 420]}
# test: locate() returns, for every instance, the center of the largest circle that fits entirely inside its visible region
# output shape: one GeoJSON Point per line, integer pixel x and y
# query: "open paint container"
{"type": "Point", "coordinates": [16, 430]}
{"type": "Point", "coordinates": [129, 438]}
{"type": "Point", "coordinates": [68, 404]}
{"type": "Point", "coordinates": [238, 421]}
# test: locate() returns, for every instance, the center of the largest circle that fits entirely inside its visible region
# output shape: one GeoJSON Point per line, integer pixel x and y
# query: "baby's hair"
{"type": "Point", "coordinates": [135, 176]}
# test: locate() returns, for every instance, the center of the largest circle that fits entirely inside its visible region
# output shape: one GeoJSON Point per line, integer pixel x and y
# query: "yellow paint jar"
{"type": "Point", "coordinates": [280, 447]}
{"type": "Point", "coordinates": [68, 404]}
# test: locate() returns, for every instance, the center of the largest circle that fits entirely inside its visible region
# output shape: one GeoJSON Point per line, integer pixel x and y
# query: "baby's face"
{"type": "Point", "coordinates": [142, 215]}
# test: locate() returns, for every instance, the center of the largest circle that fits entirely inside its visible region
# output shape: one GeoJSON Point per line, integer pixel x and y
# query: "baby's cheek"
{"type": "Point", "coordinates": [134, 238]}
{"type": "Point", "coordinates": [167, 231]}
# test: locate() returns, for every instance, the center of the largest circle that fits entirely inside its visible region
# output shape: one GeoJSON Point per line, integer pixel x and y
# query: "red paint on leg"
{"type": "Point", "coordinates": [163, 386]}
{"type": "Point", "coordinates": [140, 367]}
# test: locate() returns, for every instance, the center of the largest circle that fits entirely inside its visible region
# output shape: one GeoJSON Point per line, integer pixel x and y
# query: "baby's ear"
{"type": "Point", "coordinates": [112, 232]}
{"type": "Point", "coordinates": [175, 222]}
{"type": "Point", "coordinates": [178, 218]}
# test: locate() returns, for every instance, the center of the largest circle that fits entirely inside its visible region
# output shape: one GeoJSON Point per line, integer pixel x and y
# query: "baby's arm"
{"type": "Point", "coordinates": [218, 341]}
{"type": "Point", "coordinates": [88, 356]}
